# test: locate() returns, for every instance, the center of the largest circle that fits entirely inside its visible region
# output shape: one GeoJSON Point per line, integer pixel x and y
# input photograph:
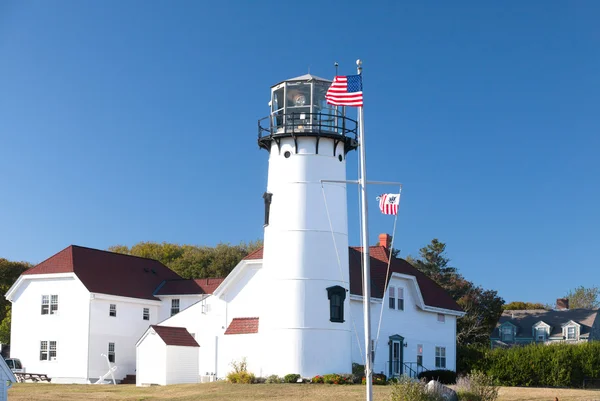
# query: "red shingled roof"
{"type": "Point", "coordinates": [108, 272]}
{"type": "Point", "coordinates": [433, 294]}
{"type": "Point", "coordinates": [258, 254]}
{"type": "Point", "coordinates": [243, 325]}
{"type": "Point", "coordinates": [189, 286]}
{"type": "Point", "coordinates": [175, 336]}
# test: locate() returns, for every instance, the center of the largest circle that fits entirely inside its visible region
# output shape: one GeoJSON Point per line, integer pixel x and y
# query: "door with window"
{"type": "Point", "coordinates": [396, 354]}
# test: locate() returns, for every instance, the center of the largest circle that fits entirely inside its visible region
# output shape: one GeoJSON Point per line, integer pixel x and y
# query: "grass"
{"type": "Point", "coordinates": [233, 392]}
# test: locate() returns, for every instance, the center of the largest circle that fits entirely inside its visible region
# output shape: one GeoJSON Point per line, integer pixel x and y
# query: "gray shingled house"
{"type": "Point", "coordinates": [521, 327]}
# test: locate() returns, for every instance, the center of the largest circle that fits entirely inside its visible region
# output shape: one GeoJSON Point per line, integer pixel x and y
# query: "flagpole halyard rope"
{"type": "Point", "coordinates": [337, 254]}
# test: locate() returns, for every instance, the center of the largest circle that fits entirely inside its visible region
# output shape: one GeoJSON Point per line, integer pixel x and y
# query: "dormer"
{"type": "Point", "coordinates": [508, 331]}
{"type": "Point", "coordinates": [540, 331]}
{"type": "Point", "coordinates": [571, 330]}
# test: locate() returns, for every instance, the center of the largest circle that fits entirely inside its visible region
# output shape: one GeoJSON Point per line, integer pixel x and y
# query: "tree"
{"type": "Point", "coordinates": [9, 273]}
{"type": "Point", "coordinates": [483, 307]}
{"type": "Point", "coordinates": [519, 305]}
{"type": "Point", "coordinates": [586, 298]}
{"type": "Point", "coordinates": [192, 261]}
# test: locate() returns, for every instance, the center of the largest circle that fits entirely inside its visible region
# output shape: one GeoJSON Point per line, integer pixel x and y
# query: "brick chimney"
{"type": "Point", "coordinates": [385, 240]}
{"type": "Point", "coordinates": [562, 303]}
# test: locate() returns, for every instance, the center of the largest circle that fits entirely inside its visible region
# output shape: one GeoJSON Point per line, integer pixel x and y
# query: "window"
{"type": "Point", "coordinates": [267, 197]}
{"type": "Point", "coordinates": [440, 357]}
{"type": "Point", "coordinates": [146, 314]}
{"type": "Point", "coordinates": [336, 295]}
{"type": "Point", "coordinates": [43, 350]}
{"type": "Point", "coordinates": [420, 354]}
{"type": "Point", "coordinates": [507, 333]}
{"type": "Point", "coordinates": [113, 310]}
{"type": "Point", "coordinates": [47, 350]}
{"type": "Point", "coordinates": [45, 304]}
{"type": "Point", "coordinates": [174, 306]}
{"type": "Point", "coordinates": [49, 304]}
{"type": "Point", "coordinates": [53, 304]}
{"type": "Point", "coordinates": [392, 292]}
{"type": "Point", "coordinates": [52, 350]}
{"type": "Point", "coordinates": [400, 298]}
{"type": "Point", "coordinates": [441, 318]}
{"type": "Point", "coordinates": [111, 352]}
{"type": "Point", "coordinates": [540, 334]}
{"type": "Point", "coordinates": [571, 333]}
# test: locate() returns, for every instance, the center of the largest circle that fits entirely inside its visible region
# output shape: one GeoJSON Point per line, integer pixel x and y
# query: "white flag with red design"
{"type": "Point", "coordinates": [388, 203]}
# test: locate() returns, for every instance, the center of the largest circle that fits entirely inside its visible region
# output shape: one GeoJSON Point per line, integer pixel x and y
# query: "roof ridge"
{"type": "Point", "coordinates": [117, 253]}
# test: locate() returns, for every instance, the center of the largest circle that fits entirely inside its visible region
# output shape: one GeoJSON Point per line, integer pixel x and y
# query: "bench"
{"type": "Point", "coordinates": [35, 377]}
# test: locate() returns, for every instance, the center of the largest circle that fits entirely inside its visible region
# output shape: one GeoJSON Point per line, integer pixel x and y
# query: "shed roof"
{"type": "Point", "coordinates": [175, 336]}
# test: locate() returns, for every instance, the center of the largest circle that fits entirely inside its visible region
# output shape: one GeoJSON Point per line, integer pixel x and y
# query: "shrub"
{"type": "Point", "coordinates": [407, 389]}
{"type": "Point", "coordinates": [334, 378]}
{"type": "Point", "coordinates": [291, 378]}
{"type": "Point", "coordinates": [378, 379]}
{"type": "Point", "coordinates": [240, 373]}
{"type": "Point", "coordinates": [317, 379]}
{"type": "Point", "coordinates": [259, 380]}
{"type": "Point", "coordinates": [358, 372]}
{"type": "Point", "coordinates": [476, 386]}
{"type": "Point", "coordinates": [441, 375]}
{"type": "Point", "coordinates": [274, 379]}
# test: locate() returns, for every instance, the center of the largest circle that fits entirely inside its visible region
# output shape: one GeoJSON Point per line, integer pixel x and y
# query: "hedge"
{"type": "Point", "coordinates": [554, 365]}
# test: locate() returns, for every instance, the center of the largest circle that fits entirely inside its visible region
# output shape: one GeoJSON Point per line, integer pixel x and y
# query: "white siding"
{"type": "Point", "coordinates": [69, 327]}
{"type": "Point", "coordinates": [124, 330]}
{"type": "Point", "coordinates": [185, 301]}
{"type": "Point", "coordinates": [151, 361]}
{"type": "Point", "coordinates": [182, 365]}
{"type": "Point", "coordinates": [415, 325]}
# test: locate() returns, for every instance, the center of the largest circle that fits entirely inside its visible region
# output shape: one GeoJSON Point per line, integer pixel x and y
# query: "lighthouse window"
{"type": "Point", "coordinates": [336, 295]}
{"type": "Point", "coordinates": [267, 197]}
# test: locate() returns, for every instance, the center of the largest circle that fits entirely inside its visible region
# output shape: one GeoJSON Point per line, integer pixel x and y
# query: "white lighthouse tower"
{"type": "Point", "coordinates": [305, 320]}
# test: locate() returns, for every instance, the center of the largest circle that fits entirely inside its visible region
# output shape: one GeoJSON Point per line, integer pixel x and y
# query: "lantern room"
{"type": "Point", "coordinates": [298, 108]}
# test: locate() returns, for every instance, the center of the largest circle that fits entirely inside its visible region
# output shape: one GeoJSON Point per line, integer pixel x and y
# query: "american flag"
{"type": "Point", "coordinates": [345, 91]}
{"type": "Point", "coordinates": [388, 203]}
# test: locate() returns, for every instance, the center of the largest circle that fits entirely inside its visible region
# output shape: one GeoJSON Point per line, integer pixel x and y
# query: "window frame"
{"type": "Point", "coordinates": [441, 318]}
{"type": "Point", "coordinates": [392, 297]}
{"type": "Point", "coordinates": [175, 309]}
{"type": "Point", "coordinates": [146, 314]}
{"type": "Point", "coordinates": [440, 357]}
{"type": "Point", "coordinates": [336, 296]}
{"type": "Point", "coordinates": [567, 334]}
{"type": "Point", "coordinates": [400, 297]}
{"type": "Point", "coordinates": [112, 310]}
{"type": "Point", "coordinates": [49, 304]}
{"type": "Point", "coordinates": [507, 330]}
{"type": "Point", "coordinates": [48, 350]}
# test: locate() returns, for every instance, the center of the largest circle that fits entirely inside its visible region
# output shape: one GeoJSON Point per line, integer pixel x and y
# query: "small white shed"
{"type": "Point", "coordinates": [7, 378]}
{"type": "Point", "coordinates": [166, 355]}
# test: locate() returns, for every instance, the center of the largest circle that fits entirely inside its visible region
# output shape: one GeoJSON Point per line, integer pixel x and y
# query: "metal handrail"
{"type": "Point", "coordinates": [312, 123]}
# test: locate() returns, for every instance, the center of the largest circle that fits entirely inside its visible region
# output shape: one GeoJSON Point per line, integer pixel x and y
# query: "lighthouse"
{"type": "Point", "coordinates": [305, 317]}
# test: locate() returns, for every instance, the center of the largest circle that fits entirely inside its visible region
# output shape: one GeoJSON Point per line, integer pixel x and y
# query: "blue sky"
{"type": "Point", "coordinates": [135, 121]}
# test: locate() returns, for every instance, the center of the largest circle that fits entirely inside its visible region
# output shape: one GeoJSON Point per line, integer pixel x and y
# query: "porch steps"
{"type": "Point", "coordinates": [129, 379]}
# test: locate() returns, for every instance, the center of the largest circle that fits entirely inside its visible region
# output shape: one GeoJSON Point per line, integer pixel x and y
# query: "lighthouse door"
{"type": "Point", "coordinates": [396, 355]}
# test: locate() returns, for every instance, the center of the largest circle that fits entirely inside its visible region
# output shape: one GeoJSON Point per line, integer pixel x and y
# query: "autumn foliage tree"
{"type": "Point", "coordinates": [483, 307]}
{"type": "Point", "coordinates": [192, 261]}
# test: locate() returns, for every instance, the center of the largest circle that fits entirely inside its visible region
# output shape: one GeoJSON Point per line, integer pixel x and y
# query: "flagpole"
{"type": "Point", "coordinates": [365, 242]}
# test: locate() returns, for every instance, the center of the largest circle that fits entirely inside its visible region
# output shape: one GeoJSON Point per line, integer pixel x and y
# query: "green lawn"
{"type": "Point", "coordinates": [232, 392]}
